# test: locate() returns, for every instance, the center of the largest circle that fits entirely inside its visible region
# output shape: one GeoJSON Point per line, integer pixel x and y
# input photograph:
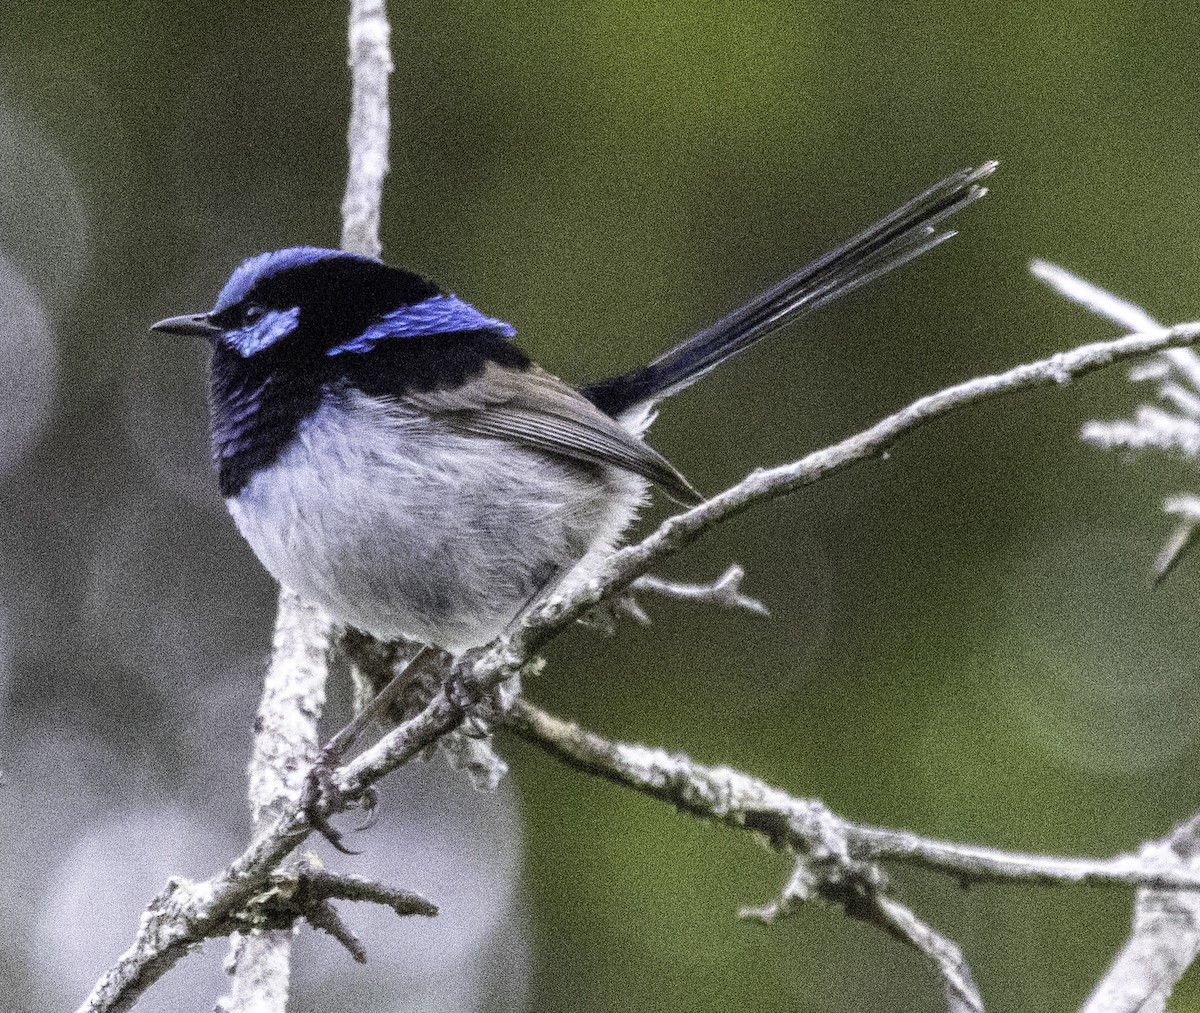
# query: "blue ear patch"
{"type": "Point", "coordinates": [439, 314]}
{"type": "Point", "coordinates": [264, 332]}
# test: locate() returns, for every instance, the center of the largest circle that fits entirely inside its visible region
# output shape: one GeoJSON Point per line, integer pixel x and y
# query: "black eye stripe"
{"type": "Point", "coordinates": [238, 315]}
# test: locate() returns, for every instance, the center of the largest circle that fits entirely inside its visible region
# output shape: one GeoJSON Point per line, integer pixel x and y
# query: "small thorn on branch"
{"type": "Point", "coordinates": [725, 591]}
{"type": "Point", "coordinates": [323, 885]}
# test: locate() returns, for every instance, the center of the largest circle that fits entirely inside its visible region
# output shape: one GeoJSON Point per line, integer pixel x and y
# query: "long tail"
{"type": "Point", "coordinates": [895, 240]}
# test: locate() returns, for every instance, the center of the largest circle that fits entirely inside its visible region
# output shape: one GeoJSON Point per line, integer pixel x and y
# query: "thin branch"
{"type": "Point", "coordinates": [860, 889]}
{"type": "Point", "coordinates": [962, 994]}
{"type": "Point", "coordinates": [370, 62]}
{"type": "Point", "coordinates": [185, 913]}
{"type": "Point", "coordinates": [1183, 539]}
{"type": "Point", "coordinates": [306, 891]}
{"type": "Point", "coordinates": [770, 483]}
{"type": "Point", "coordinates": [1092, 297]}
{"type": "Point", "coordinates": [1122, 312]}
{"type": "Point", "coordinates": [324, 916]}
{"type": "Point", "coordinates": [333, 886]}
{"type": "Point", "coordinates": [807, 826]}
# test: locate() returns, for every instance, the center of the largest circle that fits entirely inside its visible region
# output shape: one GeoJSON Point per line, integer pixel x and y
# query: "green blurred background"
{"type": "Point", "coordinates": [964, 641]}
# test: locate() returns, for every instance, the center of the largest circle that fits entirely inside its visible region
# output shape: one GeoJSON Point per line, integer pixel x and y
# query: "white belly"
{"type": "Point", "coordinates": [400, 527]}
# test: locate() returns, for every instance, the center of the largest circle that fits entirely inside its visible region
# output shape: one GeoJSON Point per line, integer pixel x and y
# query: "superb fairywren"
{"type": "Point", "coordinates": [391, 455]}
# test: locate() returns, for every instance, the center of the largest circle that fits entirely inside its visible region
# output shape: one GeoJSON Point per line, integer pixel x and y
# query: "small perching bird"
{"type": "Point", "coordinates": [392, 456]}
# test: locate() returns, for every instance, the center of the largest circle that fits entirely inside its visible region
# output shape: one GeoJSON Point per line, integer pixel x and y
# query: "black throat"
{"type": "Point", "coordinates": [255, 411]}
{"type": "Point", "coordinates": [257, 404]}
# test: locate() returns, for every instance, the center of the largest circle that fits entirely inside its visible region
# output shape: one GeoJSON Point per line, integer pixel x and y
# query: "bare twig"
{"type": "Point", "coordinates": [860, 889]}
{"type": "Point", "coordinates": [306, 891]}
{"type": "Point", "coordinates": [324, 916]}
{"type": "Point", "coordinates": [962, 994]}
{"type": "Point", "coordinates": [1183, 538]}
{"type": "Point", "coordinates": [1173, 429]}
{"type": "Point", "coordinates": [725, 591]}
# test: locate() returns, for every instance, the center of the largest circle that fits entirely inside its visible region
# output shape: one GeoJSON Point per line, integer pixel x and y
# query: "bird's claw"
{"type": "Point", "coordinates": [320, 797]}
{"type": "Point", "coordinates": [368, 804]}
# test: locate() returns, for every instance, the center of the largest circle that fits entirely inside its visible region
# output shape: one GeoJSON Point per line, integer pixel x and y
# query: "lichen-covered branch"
{"type": "Point", "coordinates": [807, 826]}
{"type": "Point", "coordinates": [286, 737]}
{"type": "Point", "coordinates": [286, 742]}
{"type": "Point", "coordinates": [370, 62]}
{"type": "Point", "coordinates": [840, 862]}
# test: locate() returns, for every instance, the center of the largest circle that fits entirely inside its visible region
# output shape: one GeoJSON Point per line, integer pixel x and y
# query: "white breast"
{"type": "Point", "coordinates": [401, 527]}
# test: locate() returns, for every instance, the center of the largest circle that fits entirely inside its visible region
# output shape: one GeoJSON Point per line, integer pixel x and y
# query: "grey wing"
{"type": "Point", "coordinates": [539, 410]}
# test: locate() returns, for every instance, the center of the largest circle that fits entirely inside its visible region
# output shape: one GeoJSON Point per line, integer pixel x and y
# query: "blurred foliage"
{"type": "Point", "coordinates": [964, 638]}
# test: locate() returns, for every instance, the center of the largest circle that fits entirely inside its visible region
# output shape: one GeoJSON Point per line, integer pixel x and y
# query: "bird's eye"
{"type": "Point", "coordinates": [252, 313]}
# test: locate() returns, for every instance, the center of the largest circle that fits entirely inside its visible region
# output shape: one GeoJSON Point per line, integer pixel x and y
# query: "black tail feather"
{"type": "Point", "coordinates": [890, 242]}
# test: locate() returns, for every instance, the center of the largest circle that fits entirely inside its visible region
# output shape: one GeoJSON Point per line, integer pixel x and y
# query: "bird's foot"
{"type": "Point", "coordinates": [320, 798]}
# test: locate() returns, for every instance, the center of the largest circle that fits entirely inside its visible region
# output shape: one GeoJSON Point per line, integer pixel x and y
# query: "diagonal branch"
{"type": "Point", "coordinates": [962, 994]}
{"type": "Point", "coordinates": [766, 484]}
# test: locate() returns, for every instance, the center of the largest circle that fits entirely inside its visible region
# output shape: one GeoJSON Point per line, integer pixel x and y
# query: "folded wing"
{"type": "Point", "coordinates": [533, 408]}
